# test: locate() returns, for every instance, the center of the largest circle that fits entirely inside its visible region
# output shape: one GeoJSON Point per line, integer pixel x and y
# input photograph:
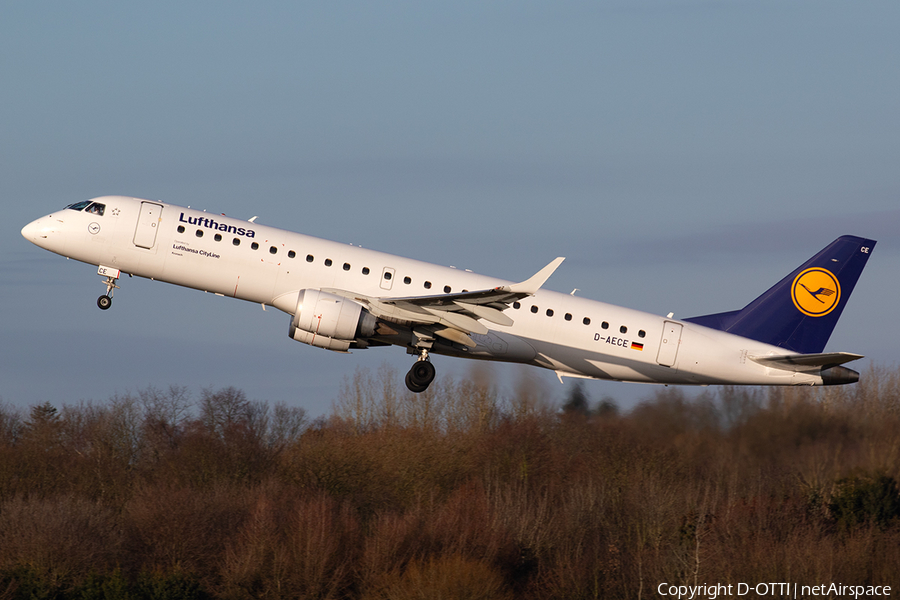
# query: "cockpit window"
{"type": "Point", "coordinates": [79, 205]}
{"type": "Point", "coordinates": [96, 209]}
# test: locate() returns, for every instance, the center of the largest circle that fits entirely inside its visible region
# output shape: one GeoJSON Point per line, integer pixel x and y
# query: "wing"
{"type": "Point", "coordinates": [454, 316]}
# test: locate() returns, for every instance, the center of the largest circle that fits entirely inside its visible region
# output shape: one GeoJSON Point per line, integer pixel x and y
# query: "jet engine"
{"type": "Point", "coordinates": [329, 321]}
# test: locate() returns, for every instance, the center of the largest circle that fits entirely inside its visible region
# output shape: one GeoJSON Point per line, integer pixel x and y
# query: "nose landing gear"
{"type": "Point", "coordinates": [104, 302]}
{"type": "Point", "coordinates": [421, 374]}
{"type": "Point", "coordinates": [112, 275]}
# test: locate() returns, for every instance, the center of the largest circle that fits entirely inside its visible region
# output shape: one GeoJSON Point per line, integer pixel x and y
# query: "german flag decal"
{"type": "Point", "coordinates": [636, 346]}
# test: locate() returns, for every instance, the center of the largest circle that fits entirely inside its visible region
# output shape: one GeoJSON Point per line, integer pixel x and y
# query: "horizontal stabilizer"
{"type": "Point", "coordinates": [805, 362]}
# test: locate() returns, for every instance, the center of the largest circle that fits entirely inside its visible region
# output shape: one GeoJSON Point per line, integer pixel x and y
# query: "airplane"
{"type": "Point", "coordinates": [341, 297]}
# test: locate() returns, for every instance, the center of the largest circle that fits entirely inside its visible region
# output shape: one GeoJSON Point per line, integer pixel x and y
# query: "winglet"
{"type": "Point", "coordinates": [534, 283]}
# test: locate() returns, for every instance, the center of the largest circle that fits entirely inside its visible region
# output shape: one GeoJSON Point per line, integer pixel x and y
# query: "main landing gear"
{"type": "Point", "coordinates": [112, 275]}
{"type": "Point", "coordinates": [421, 374]}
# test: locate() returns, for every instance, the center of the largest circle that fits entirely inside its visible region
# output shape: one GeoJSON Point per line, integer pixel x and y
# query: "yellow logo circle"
{"type": "Point", "coordinates": [816, 292]}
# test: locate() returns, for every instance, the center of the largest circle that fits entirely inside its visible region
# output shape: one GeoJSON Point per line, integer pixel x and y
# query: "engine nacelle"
{"type": "Point", "coordinates": [329, 321]}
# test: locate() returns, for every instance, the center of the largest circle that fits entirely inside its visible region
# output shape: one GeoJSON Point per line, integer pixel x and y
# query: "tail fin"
{"type": "Point", "coordinates": [800, 311]}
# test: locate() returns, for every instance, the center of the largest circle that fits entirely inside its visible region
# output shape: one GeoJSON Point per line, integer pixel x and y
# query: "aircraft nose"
{"type": "Point", "coordinates": [36, 231]}
{"type": "Point", "coordinates": [29, 232]}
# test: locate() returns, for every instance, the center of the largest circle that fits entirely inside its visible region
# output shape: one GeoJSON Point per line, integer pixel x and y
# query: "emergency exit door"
{"type": "Point", "coordinates": [387, 278]}
{"type": "Point", "coordinates": [668, 345]}
{"type": "Point", "coordinates": [148, 225]}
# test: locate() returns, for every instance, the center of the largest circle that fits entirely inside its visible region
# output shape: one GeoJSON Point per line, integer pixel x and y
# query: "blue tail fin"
{"type": "Point", "coordinates": [800, 311]}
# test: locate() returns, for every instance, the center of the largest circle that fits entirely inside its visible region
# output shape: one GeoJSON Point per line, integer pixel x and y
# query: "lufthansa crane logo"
{"type": "Point", "coordinates": [816, 292]}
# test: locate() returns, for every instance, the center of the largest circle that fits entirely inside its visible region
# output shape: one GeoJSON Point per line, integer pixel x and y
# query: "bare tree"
{"type": "Point", "coordinates": [286, 425]}
{"type": "Point", "coordinates": [222, 409]}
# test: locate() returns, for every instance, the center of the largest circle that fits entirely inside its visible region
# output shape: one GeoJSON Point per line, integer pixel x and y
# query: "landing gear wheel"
{"type": "Point", "coordinates": [413, 387]}
{"type": "Point", "coordinates": [420, 376]}
{"type": "Point", "coordinates": [111, 274]}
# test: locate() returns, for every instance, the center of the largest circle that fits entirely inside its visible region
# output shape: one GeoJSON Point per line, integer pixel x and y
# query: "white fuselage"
{"type": "Point", "coordinates": [574, 336]}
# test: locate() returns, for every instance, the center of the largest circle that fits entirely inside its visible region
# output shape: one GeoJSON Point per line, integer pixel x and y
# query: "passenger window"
{"type": "Point", "coordinates": [446, 289]}
{"type": "Point", "coordinates": [427, 285]}
{"type": "Point", "coordinates": [387, 275]}
{"type": "Point", "coordinates": [517, 305]}
{"type": "Point", "coordinates": [181, 229]}
{"type": "Point", "coordinates": [273, 250]}
{"type": "Point", "coordinates": [291, 254]}
{"type": "Point", "coordinates": [254, 246]}
{"type": "Point", "coordinates": [604, 325]}
{"type": "Point", "coordinates": [346, 266]}
{"type": "Point", "coordinates": [534, 309]}
{"type": "Point", "coordinates": [586, 320]}
{"type": "Point", "coordinates": [236, 241]}
{"type": "Point", "coordinates": [623, 329]}
{"type": "Point", "coordinates": [218, 237]}
{"type": "Point", "coordinates": [642, 333]}
{"type": "Point", "coordinates": [549, 312]}
{"type": "Point", "coordinates": [199, 233]}
{"type": "Point", "coordinates": [309, 258]}
{"type": "Point", "coordinates": [365, 271]}
{"type": "Point", "coordinates": [568, 316]}
{"type": "Point", "coordinates": [327, 262]}
{"type": "Point", "coordinates": [407, 280]}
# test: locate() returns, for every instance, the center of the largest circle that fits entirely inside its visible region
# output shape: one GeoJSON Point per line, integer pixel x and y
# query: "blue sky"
{"type": "Point", "coordinates": [683, 156]}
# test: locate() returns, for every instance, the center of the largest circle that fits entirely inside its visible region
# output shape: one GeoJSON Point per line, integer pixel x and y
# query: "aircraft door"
{"type": "Point", "coordinates": [668, 345]}
{"type": "Point", "coordinates": [387, 278]}
{"type": "Point", "coordinates": [148, 225]}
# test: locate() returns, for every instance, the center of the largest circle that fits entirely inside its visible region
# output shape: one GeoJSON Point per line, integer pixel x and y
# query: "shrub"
{"type": "Point", "coordinates": [865, 499]}
{"type": "Point", "coordinates": [452, 576]}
